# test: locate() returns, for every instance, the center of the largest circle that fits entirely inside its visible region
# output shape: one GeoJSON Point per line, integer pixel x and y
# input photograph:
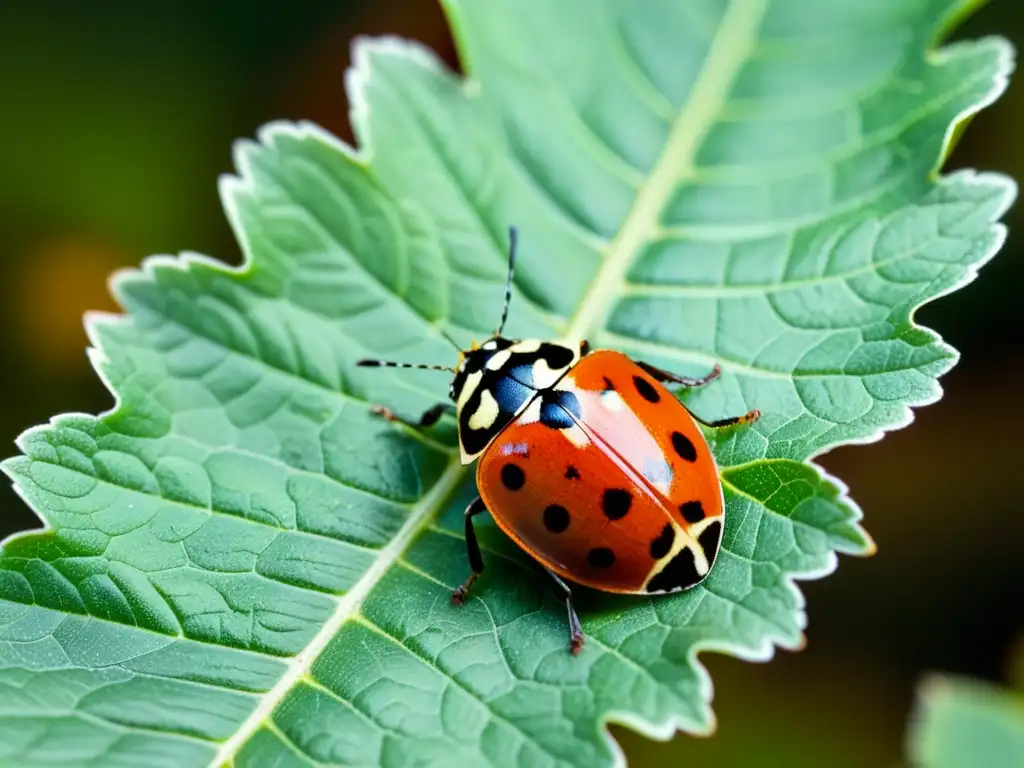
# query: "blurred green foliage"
{"type": "Point", "coordinates": [959, 723]}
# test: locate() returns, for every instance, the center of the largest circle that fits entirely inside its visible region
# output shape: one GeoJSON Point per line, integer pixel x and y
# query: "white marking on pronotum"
{"type": "Point", "coordinates": [472, 382]}
{"type": "Point", "coordinates": [486, 413]}
{"type": "Point", "coordinates": [526, 347]}
{"type": "Point", "coordinates": [498, 359]}
{"type": "Point", "coordinates": [544, 375]}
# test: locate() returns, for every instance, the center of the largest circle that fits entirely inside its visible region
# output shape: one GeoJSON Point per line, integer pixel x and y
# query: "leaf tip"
{"type": "Point", "coordinates": [8, 466]}
{"type": "Point", "coordinates": [932, 684]}
{"type": "Point", "coordinates": [369, 51]}
{"type": "Point", "coordinates": [870, 548]}
{"type": "Point", "coordinates": [94, 321]}
{"type": "Point", "coordinates": [1003, 63]}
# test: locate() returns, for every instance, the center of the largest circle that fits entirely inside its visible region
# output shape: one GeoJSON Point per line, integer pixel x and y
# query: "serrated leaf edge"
{"type": "Point", "coordinates": [729, 49]}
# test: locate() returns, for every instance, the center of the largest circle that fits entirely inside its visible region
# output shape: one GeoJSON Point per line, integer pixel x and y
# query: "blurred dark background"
{"type": "Point", "coordinates": [117, 118]}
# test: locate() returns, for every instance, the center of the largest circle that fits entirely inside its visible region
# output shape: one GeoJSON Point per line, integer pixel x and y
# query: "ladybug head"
{"type": "Point", "coordinates": [475, 359]}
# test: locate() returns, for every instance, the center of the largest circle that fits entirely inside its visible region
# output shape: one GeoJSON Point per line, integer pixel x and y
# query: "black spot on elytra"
{"type": "Point", "coordinates": [608, 386]}
{"type": "Point", "coordinates": [601, 557]}
{"type": "Point", "coordinates": [693, 511]}
{"type": "Point", "coordinates": [556, 518]}
{"type": "Point", "coordinates": [663, 544]}
{"type": "Point", "coordinates": [709, 539]}
{"type": "Point", "coordinates": [646, 389]}
{"type": "Point", "coordinates": [572, 473]}
{"type": "Point", "coordinates": [683, 446]}
{"type": "Point", "coordinates": [616, 503]}
{"type": "Point", "coordinates": [559, 409]}
{"type": "Point", "coordinates": [680, 573]}
{"type": "Point", "coordinates": [512, 477]}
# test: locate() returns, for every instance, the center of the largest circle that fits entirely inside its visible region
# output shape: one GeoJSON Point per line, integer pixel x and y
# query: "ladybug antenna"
{"type": "Point", "coordinates": [508, 280]}
{"type": "Point", "coordinates": [449, 339]}
{"type": "Point", "coordinates": [390, 364]}
{"type": "Point", "coordinates": [424, 366]}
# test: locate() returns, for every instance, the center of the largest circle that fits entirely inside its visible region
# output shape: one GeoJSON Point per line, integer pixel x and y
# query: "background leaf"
{"type": "Point", "coordinates": [960, 722]}
{"type": "Point", "coordinates": [243, 565]}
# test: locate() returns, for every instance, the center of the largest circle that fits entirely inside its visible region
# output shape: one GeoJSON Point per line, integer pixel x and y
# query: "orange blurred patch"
{"type": "Point", "coordinates": [59, 280]}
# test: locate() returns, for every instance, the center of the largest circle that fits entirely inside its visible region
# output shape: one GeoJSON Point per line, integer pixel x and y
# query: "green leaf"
{"type": "Point", "coordinates": [242, 564]}
{"type": "Point", "coordinates": [963, 723]}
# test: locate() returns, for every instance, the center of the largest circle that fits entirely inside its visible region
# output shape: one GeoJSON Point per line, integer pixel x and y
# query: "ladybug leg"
{"type": "Point", "coordinates": [584, 348]}
{"type": "Point", "coordinates": [576, 636]}
{"type": "Point", "coordinates": [476, 560]}
{"type": "Point", "coordinates": [746, 418]}
{"type": "Point", "coordinates": [429, 417]}
{"type": "Point", "coordinates": [665, 376]}
{"type": "Point", "coordinates": [683, 381]}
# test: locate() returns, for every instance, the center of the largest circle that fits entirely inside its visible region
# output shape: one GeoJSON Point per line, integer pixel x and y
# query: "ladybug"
{"type": "Point", "coordinates": [586, 460]}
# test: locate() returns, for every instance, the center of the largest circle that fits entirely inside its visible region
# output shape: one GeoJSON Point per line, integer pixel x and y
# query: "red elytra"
{"type": "Point", "coordinates": [587, 461]}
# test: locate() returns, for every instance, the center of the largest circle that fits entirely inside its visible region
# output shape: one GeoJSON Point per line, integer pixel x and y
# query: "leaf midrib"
{"type": "Point", "coordinates": [347, 607]}
{"type": "Point", "coordinates": [729, 49]}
